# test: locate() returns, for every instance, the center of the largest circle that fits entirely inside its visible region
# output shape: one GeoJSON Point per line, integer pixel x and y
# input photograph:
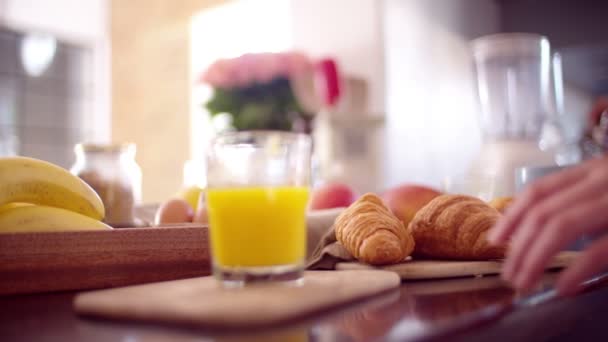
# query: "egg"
{"type": "Point", "coordinates": [174, 211]}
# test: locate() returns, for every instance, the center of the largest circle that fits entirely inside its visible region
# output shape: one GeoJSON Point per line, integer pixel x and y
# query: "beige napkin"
{"type": "Point", "coordinates": [318, 223]}
{"type": "Point", "coordinates": [328, 253]}
{"type": "Point", "coordinates": [327, 250]}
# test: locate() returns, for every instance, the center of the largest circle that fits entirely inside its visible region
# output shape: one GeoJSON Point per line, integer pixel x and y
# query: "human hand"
{"type": "Point", "coordinates": [550, 214]}
{"type": "Point", "coordinates": [599, 106]}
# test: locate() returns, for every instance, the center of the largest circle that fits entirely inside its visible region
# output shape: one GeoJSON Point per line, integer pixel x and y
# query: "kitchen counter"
{"type": "Point", "coordinates": [471, 309]}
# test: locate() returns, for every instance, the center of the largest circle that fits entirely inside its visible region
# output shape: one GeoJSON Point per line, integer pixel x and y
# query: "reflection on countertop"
{"type": "Point", "coordinates": [436, 309]}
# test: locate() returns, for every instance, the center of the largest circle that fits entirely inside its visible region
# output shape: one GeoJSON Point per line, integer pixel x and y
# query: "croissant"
{"type": "Point", "coordinates": [372, 234]}
{"type": "Point", "coordinates": [455, 227]}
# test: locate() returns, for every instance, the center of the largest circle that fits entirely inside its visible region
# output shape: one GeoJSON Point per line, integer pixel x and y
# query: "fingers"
{"type": "Point", "coordinates": [536, 219]}
{"type": "Point", "coordinates": [599, 106]}
{"type": "Point", "coordinates": [532, 195]}
{"type": "Point", "coordinates": [563, 228]}
{"type": "Point", "coordinates": [592, 261]}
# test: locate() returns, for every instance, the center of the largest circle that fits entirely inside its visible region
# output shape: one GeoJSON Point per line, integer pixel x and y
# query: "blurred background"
{"type": "Point", "coordinates": [107, 71]}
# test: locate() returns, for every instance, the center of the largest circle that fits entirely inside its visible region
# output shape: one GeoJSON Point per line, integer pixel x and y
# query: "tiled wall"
{"type": "Point", "coordinates": [48, 114]}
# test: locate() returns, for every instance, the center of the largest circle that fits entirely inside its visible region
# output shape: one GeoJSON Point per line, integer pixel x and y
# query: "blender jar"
{"type": "Point", "coordinates": [516, 93]}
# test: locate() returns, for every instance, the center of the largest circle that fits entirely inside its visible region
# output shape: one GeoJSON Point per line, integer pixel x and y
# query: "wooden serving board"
{"type": "Point", "coordinates": [204, 302]}
{"type": "Point", "coordinates": [435, 269]}
{"type": "Point", "coordinates": [55, 261]}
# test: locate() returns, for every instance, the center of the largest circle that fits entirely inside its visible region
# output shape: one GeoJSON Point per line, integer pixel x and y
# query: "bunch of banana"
{"type": "Point", "coordinates": [39, 196]}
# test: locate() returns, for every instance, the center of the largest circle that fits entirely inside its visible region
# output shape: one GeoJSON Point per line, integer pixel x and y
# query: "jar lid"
{"type": "Point", "coordinates": [107, 148]}
{"type": "Point", "coordinates": [510, 45]}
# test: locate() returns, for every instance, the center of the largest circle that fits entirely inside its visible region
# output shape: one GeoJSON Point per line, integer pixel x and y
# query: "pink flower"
{"type": "Point", "coordinates": [218, 74]}
{"type": "Point", "coordinates": [242, 66]}
{"type": "Point", "coordinates": [269, 66]}
{"type": "Point", "coordinates": [261, 68]}
{"type": "Point", "coordinates": [299, 63]}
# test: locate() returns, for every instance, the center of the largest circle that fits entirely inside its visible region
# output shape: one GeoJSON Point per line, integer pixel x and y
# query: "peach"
{"type": "Point", "coordinates": [405, 200]}
{"type": "Point", "coordinates": [332, 195]}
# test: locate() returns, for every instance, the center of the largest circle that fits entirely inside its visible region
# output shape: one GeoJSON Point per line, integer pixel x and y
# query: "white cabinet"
{"type": "Point", "coordinates": [72, 20]}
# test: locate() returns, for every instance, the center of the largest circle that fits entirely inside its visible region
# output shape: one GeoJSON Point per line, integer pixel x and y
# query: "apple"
{"type": "Point", "coordinates": [406, 199]}
{"type": "Point", "coordinates": [332, 195]}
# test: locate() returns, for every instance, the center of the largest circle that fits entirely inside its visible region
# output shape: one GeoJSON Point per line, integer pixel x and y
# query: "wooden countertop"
{"type": "Point", "coordinates": [468, 309]}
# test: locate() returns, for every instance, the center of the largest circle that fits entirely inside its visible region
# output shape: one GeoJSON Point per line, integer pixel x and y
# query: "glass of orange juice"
{"type": "Point", "coordinates": [257, 192]}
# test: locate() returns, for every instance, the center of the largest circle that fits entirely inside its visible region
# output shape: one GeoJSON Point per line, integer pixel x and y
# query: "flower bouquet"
{"type": "Point", "coordinates": [259, 91]}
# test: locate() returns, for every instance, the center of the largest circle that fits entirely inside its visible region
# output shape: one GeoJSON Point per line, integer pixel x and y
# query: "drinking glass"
{"type": "Point", "coordinates": [258, 188]}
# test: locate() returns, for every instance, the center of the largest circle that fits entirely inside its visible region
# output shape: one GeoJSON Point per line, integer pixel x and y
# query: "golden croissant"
{"type": "Point", "coordinates": [455, 227]}
{"type": "Point", "coordinates": [372, 234]}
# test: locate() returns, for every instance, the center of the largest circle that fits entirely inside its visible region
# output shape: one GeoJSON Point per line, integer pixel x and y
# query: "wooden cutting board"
{"type": "Point", "coordinates": [57, 261]}
{"type": "Point", "coordinates": [204, 302]}
{"type": "Point", "coordinates": [435, 269]}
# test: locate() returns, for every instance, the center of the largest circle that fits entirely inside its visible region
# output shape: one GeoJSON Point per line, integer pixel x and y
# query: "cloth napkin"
{"type": "Point", "coordinates": [321, 234]}
{"type": "Point", "coordinates": [328, 253]}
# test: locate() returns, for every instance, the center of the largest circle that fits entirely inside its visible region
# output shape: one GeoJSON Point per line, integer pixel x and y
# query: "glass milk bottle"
{"type": "Point", "coordinates": [516, 96]}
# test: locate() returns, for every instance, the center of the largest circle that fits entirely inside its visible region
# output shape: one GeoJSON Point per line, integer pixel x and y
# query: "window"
{"type": "Point", "coordinates": [226, 31]}
{"type": "Point", "coordinates": [46, 96]}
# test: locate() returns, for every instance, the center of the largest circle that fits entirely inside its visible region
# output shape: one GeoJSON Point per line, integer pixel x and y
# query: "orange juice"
{"type": "Point", "coordinates": [257, 226]}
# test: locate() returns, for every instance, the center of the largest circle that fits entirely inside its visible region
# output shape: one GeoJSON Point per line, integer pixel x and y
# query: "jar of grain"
{"type": "Point", "coordinates": [112, 172]}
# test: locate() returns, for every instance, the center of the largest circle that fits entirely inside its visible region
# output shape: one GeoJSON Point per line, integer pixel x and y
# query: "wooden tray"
{"type": "Point", "coordinates": [56, 261]}
{"type": "Point", "coordinates": [438, 269]}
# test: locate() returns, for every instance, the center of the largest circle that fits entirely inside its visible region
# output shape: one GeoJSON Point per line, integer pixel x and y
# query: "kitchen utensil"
{"type": "Point", "coordinates": [517, 100]}
{"type": "Point", "coordinates": [527, 175]}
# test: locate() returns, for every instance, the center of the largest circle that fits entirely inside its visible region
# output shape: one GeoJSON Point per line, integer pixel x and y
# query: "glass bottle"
{"type": "Point", "coordinates": [111, 170]}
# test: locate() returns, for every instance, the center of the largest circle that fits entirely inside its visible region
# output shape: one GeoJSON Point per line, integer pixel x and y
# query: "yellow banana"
{"type": "Point", "coordinates": [191, 195]}
{"type": "Point", "coordinates": [39, 218]}
{"type": "Point", "coordinates": [12, 205]}
{"type": "Point", "coordinates": [35, 181]}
